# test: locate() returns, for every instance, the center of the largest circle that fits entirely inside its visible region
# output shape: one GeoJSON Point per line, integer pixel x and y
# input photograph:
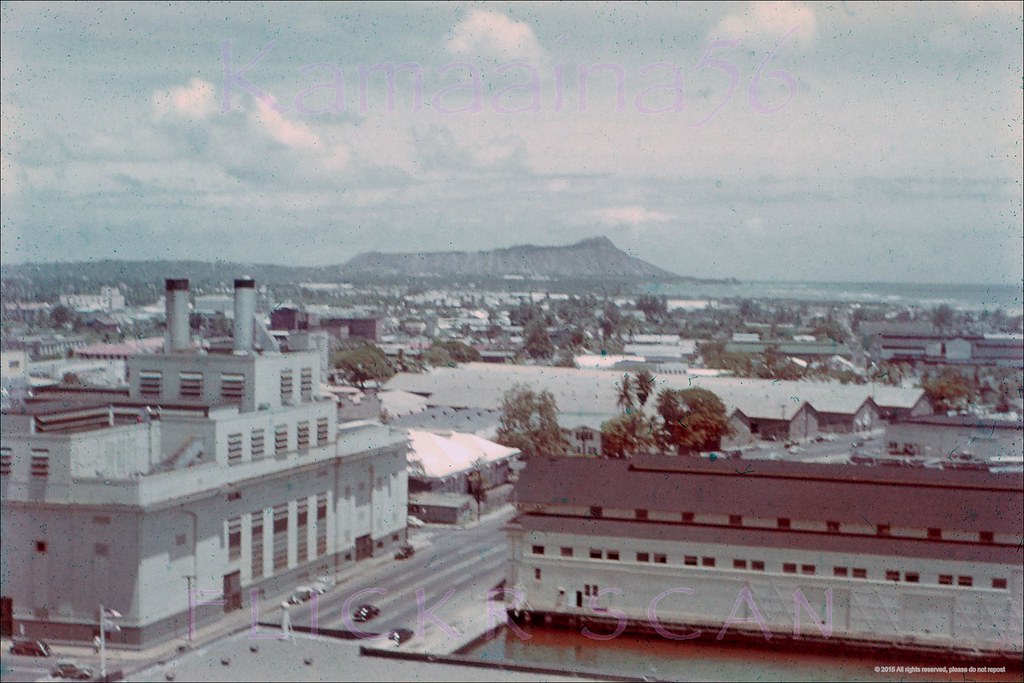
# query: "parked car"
{"type": "Point", "coordinates": [400, 635]}
{"type": "Point", "coordinates": [35, 648]}
{"type": "Point", "coordinates": [414, 522]}
{"type": "Point", "coordinates": [71, 671]}
{"type": "Point", "coordinates": [302, 594]}
{"type": "Point", "coordinates": [405, 552]}
{"type": "Point", "coordinates": [365, 613]}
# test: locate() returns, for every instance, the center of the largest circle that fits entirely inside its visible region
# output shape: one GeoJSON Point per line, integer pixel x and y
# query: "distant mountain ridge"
{"type": "Point", "coordinates": [593, 259]}
{"type": "Point", "coordinates": [596, 257]}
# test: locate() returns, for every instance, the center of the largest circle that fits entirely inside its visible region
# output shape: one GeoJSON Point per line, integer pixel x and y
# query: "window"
{"type": "Point", "coordinates": [101, 549]}
{"type": "Point", "coordinates": [883, 530]}
{"type": "Point", "coordinates": [757, 565]}
{"type": "Point", "coordinates": [566, 552]}
{"type": "Point", "coordinates": [538, 550]}
{"type": "Point", "coordinates": [306, 383]}
{"type": "Point", "coordinates": [101, 519]}
{"type": "Point", "coordinates": [964, 581]}
{"type": "Point", "coordinates": [180, 539]}
{"type": "Point", "coordinates": [912, 577]}
{"type": "Point", "coordinates": [321, 431]}
{"type": "Point", "coordinates": [783, 522]}
{"type": "Point", "coordinates": [234, 449]}
{"type": "Point", "coordinates": [303, 435]}
{"type": "Point", "coordinates": [257, 544]}
{"type": "Point", "coordinates": [735, 520]}
{"type": "Point", "coordinates": [235, 539]}
{"type": "Point", "coordinates": [789, 568]}
{"type": "Point", "coordinates": [321, 524]}
{"type": "Point", "coordinates": [690, 560]}
{"type": "Point", "coordinates": [643, 557]}
{"type": "Point", "coordinates": [232, 386]}
{"type": "Point", "coordinates": [840, 571]}
{"type": "Point", "coordinates": [807, 569]}
{"type": "Point", "coordinates": [280, 536]}
{"type": "Point", "coordinates": [6, 461]}
{"type": "Point", "coordinates": [286, 386]}
{"type": "Point", "coordinates": [892, 575]}
{"type": "Point", "coordinates": [150, 382]}
{"type": "Point", "coordinates": [999, 583]}
{"type": "Point", "coordinates": [596, 554]}
{"type": "Point", "coordinates": [280, 439]}
{"type": "Point", "coordinates": [256, 444]}
{"type": "Point", "coordinates": [302, 532]}
{"type": "Point", "coordinates": [660, 558]}
{"type": "Point", "coordinates": [40, 463]}
{"type": "Point", "coordinates": [688, 518]}
{"type": "Point", "coordinates": [641, 514]}
{"type": "Point", "coordinates": [613, 555]}
{"type": "Point", "coordinates": [707, 561]}
{"type": "Point", "coordinates": [41, 547]}
{"type": "Point", "coordinates": [739, 564]}
{"type": "Point", "coordinates": [986, 536]}
{"type": "Point", "coordinates": [860, 573]}
{"type": "Point", "coordinates": [536, 573]}
{"type": "Point", "coordinates": [190, 385]}
{"type": "Point", "coordinates": [596, 511]}
{"type": "Point", "coordinates": [945, 579]}
{"type": "Point", "coordinates": [833, 527]}
{"type": "Point", "coordinates": [935, 534]}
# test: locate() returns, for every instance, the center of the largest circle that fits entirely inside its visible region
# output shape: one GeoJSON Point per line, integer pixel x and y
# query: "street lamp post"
{"type": "Point", "coordinates": [106, 615]}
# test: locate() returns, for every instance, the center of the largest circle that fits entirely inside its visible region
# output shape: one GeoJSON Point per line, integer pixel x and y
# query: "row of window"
{"type": "Point", "coordinates": [256, 440]}
{"type": "Point", "coordinates": [279, 540]}
{"type": "Point", "coordinates": [39, 466]}
{"type": "Point", "coordinates": [831, 527]}
{"type": "Point", "coordinates": [232, 385]}
{"type": "Point", "coordinates": [759, 566]}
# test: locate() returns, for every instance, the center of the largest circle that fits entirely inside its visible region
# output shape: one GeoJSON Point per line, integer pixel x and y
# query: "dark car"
{"type": "Point", "coordinates": [72, 671]}
{"type": "Point", "coordinates": [400, 635]}
{"type": "Point", "coordinates": [36, 648]}
{"type": "Point", "coordinates": [365, 612]}
{"type": "Point", "coordinates": [405, 552]}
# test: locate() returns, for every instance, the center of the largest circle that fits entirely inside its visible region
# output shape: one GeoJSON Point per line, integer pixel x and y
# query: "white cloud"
{"type": "Point", "coordinates": [629, 215]}
{"type": "Point", "coordinates": [765, 23]}
{"type": "Point", "coordinates": [293, 134]}
{"type": "Point", "coordinates": [195, 101]}
{"type": "Point", "coordinates": [492, 34]}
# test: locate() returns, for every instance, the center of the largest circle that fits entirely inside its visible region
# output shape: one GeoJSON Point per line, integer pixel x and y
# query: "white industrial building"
{"type": "Point", "coordinates": [226, 472]}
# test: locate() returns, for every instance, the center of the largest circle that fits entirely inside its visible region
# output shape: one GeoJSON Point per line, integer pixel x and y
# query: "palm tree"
{"type": "Point", "coordinates": [644, 382]}
{"type": "Point", "coordinates": [624, 399]}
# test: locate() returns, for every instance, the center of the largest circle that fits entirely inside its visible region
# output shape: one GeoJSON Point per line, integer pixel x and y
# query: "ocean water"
{"type": "Point", "coordinates": [1010, 298]}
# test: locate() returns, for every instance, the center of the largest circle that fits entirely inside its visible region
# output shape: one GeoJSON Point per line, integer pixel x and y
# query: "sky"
{"type": "Point", "coordinates": [762, 141]}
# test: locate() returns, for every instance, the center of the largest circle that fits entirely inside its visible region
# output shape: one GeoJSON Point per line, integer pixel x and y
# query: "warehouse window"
{"type": "Point", "coordinates": [190, 385]}
{"type": "Point", "coordinates": [234, 539]}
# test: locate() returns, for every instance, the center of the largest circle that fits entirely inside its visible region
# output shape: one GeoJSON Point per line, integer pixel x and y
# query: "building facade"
{"type": "Point", "coordinates": [876, 557]}
{"type": "Point", "coordinates": [221, 476]}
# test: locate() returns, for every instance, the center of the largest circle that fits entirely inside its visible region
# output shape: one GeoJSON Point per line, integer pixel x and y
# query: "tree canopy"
{"type": "Point", "coordinates": [529, 422]}
{"type": "Point", "coordinates": [692, 420]}
{"type": "Point", "coordinates": [362, 364]}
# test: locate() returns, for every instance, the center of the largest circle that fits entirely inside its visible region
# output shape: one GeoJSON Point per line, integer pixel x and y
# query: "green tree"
{"type": "Point", "coordinates": [363, 364]}
{"type": "Point", "coordinates": [626, 435]}
{"type": "Point", "coordinates": [477, 484]}
{"type": "Point", "coordinates": [459, 352]}
{"type": "Point", "coordinates": [624, 394]}
{"type": "Point", "coordinates": [644, 386]}
{"type": "Point", "coordinates": [943, 317]}
{"type": "Point", "coordinates": [529, 422]}
{"type": "Point", "coordinates": [691, 420]}
{"type": "Point", "coordinates": [949, 390]}
{"type": "Point", "coordinates": [438, 356]}
{"type": "Point", "coordinates": [538, 342]}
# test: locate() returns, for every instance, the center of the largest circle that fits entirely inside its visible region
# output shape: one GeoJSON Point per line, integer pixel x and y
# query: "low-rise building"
{"type": "Point", "coordinates": [823, 554]}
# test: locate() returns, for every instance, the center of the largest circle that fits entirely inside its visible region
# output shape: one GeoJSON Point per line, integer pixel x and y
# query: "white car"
{"type": "Point", "coordinates": [414, 522]}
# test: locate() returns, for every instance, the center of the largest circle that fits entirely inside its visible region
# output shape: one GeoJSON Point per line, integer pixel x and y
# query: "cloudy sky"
{"type": "Point", "coordinates": [793, 141]}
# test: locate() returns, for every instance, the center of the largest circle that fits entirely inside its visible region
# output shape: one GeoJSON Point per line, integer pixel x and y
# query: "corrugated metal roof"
{"type": "Point", "coordinates": [941, 499]}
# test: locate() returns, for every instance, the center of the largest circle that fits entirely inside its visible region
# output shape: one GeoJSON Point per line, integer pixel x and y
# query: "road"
{"type": "Point", "coordinates": [466, 561]}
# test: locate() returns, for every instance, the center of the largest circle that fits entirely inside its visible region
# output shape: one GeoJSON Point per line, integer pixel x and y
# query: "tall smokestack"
{"type": "Point", "coordinates": [245, 310]}
{"type": "Point", "coordinates": [176, 294]}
